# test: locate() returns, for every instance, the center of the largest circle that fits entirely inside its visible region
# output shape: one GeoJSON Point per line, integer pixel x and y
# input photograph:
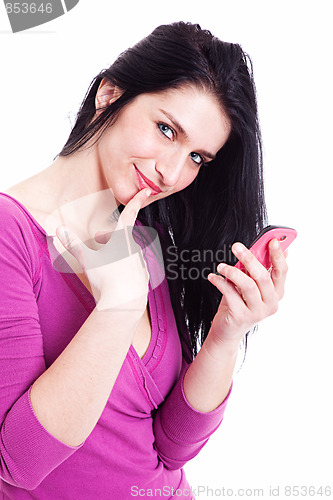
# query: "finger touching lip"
{"type": "Point", "coordinates": [144, 182]}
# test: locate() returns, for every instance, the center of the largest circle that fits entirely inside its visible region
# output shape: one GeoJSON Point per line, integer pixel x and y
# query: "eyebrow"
{"type": "Point", "coordinates": [181, 130]}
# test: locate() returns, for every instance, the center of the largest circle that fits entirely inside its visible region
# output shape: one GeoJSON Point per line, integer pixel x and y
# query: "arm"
{"type": "Point", "coordinates": [67, 398]}
{"type": "Point", "coordinates": [181, 430]}
{"type": "Point", "coordinates": [27, 451]}
{"type": "Point", "coordinates": [195, 407]}
{"type": "Point", "coordinates": [246, 301]}
{"type": "Point", "coordinates": [70, 396]}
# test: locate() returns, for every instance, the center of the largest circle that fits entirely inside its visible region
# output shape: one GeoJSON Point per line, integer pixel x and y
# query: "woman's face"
{"type": "Point", "coordinates": [161, 141]}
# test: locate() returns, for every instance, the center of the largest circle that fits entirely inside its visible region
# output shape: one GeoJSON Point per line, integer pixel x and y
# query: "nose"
{"type": "Point", "coordinates": [170, 168]}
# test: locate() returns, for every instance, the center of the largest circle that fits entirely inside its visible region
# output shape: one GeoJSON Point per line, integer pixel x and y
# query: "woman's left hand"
{"type": "Point", "coordinates": [247, 299]}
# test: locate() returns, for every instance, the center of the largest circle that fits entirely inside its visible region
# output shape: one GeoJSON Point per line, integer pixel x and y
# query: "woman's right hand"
{"type": "Point", "coordinates": [116, 272]}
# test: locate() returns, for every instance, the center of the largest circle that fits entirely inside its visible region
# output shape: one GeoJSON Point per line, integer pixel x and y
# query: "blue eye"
{"type": "Point", "coordinates": [166, 130]}
{"type": "Point", "coordinates": [170, 134]}
{"type": "Point", "coordinates": [197, 158]}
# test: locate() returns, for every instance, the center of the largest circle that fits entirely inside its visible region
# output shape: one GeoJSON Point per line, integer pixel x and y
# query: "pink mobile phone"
{"type": "Point", "coordinates": [259, 247]}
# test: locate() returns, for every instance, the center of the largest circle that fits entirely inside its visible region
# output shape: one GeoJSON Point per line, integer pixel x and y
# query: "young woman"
{"type": "Point", "coordinates": [103, 391]}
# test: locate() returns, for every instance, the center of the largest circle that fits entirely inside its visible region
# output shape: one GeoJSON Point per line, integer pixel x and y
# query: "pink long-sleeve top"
{"type": "Point", "coordinates": [147, 431]}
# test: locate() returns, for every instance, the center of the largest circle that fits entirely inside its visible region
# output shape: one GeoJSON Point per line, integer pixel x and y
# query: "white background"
{"type": "Point", "coordinates": [277, 429]}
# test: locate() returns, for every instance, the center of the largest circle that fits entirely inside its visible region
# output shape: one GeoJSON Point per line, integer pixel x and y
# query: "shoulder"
{"type": "Point", "coordinates": [11, 213]}
{"type": "Point", "coordinates": [19, 246]}
{"type": "Point", "coordinates": [16, 225]}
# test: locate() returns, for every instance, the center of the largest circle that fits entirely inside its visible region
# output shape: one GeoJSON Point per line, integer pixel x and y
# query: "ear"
{"type": "Point", "coordinates": [106, 94]}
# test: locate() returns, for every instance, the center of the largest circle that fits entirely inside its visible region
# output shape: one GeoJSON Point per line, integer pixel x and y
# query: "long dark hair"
{"type": "Point", "coordinates": [225, 203]}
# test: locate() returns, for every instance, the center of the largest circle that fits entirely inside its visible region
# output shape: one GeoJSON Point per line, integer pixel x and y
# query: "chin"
{"type": "Point", "coordinates": [124, 196]}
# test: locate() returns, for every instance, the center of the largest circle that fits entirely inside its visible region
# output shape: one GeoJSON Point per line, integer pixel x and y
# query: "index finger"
{"type": "Point", "coordinates": [130, 212]}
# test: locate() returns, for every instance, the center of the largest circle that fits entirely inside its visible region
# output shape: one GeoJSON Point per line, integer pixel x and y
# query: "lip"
{"type": "Point", "coordinates": [144, 182]}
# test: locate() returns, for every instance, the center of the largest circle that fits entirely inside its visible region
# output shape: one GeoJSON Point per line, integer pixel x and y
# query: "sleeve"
{"type": "Point", "coordinates": [28, 453]}
{"type": "Point", "coordinates": [180, 430]}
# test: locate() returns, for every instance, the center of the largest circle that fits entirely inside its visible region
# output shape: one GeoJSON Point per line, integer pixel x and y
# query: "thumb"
{"type": "Point", "coordinates": [71, 242]}
{"type": "Point", "coordinates": [102, 237]}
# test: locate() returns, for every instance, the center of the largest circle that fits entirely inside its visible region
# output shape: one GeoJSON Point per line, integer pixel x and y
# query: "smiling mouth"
{"type": "Point", "coordinates": [144, 182]}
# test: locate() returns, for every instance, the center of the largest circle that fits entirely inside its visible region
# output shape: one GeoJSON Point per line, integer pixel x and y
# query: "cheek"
{"type": "Point", "coordinates": [138, 142]}
{"type": "Point", "coordinates": [191, 174]}
{"type": "Point", "coordinates": [145, 146]}
{"type": "Point", "coordinates": [186, 178]}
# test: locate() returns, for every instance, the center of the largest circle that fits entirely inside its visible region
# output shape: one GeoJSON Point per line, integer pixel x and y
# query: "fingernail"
{"type": "Point", "coordinates": [220, 267]}
{"type": "Point", "coordinates": [148, 192]}
{"type": "Point", "coordinates": [238, 247]}
{"type": "Point", "coordinates": [62, 232]}
{"type": "Point", "coordinates": [275, 244]}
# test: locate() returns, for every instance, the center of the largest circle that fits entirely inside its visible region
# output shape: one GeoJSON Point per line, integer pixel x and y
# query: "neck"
{"type": "Point", "coordinates": [84, 201]}
{"type": "Point", "coordinates": [71, 191]}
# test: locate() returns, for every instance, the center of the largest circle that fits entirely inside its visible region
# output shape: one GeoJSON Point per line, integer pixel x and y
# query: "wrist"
{"type": "Point", "coordinates": [218, 347]}
{"type": "Point", "coordinates": [118, 320]}
{"type": "Point", "coordinates": [135, 306]}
